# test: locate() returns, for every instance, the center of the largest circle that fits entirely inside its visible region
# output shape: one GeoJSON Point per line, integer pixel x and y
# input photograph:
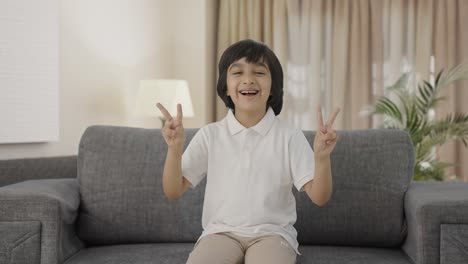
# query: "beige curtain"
{"type": "Point", "coordinates": [329, 62]}
{"type": "Point", "coordinates": [450, 48]}
{"type": "Point", "coordinates": [261, 20]}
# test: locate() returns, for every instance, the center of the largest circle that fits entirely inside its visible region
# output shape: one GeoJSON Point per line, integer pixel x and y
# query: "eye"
{"type": "Point", "coordinates": [260, 73]}
{"type": "Point", "coordinates": [236, 73]}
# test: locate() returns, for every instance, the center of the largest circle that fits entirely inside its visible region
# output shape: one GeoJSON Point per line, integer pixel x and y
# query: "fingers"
{"type": "Point", "coordinates": [328, 137]}
{"type": "Point", "coordinates": [331, 137]}
{"type": "Point", "coordinates": [170, 133]}
{"type": "Point", "coordinates": [179, 112]}
{"type": "Point", "coordinates": [319, 116]}
{"type": "Point", "coordinates": [172, 128]}
{"type": "Point", "coordinates": [173, 124]}
{"type": "Point", "coordinates": [164, 112]}
{"type": "Point", "coordinates": [320, 119]}
{"type": "Point", "coordinates": [168, 116]}
{"type": "Point", "coordinates": [333, 117]}
{"type": "Point", "coordinates": [325, 128]}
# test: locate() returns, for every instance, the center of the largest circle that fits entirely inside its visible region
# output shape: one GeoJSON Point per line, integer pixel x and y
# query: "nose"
{"type": "Point", "coordinates": [248, 79]}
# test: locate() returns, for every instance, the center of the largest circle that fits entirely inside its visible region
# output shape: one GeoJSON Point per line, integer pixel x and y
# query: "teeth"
{"type": "Point", "coordinates": [248, 92]}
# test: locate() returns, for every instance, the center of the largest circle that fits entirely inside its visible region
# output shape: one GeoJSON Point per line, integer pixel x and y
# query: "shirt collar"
{"type": "Point", "coordinates": [261, 127]}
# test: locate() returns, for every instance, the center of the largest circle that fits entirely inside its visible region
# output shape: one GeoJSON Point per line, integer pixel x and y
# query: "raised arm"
{"type": "Point", "coordinates": [174, 184]}
{"type": "Point", "coordinates": [320, 188]}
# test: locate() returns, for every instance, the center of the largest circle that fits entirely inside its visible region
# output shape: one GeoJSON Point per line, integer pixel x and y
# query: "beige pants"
{"type": "Point", "coordinates": [227, 248]}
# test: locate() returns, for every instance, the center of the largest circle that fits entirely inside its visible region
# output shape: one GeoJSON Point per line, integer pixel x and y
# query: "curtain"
{"type": "Point", "coordinates": [329, 62]}
{"type": "Point", "coordinates": [261, 20]}
{"type": "Point", "coordinates": [450, 48]}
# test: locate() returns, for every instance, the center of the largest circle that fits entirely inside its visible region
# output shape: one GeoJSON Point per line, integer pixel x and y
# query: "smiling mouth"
{"type": "Point", "coordinates": [249, 93]}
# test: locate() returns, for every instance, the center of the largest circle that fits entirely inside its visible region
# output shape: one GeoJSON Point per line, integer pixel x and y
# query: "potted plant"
{"type": "Point", "coordinates": [412, 108]}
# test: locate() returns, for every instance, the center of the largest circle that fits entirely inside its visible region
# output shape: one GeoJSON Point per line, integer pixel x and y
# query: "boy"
{"type": "Point", "coordinates": [251, 160]}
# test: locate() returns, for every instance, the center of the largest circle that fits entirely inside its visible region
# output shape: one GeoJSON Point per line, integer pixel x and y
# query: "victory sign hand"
{"type": "Point", "coordinates": [326, 137]}
{"type": "Point", "coordinates": [173, 130]}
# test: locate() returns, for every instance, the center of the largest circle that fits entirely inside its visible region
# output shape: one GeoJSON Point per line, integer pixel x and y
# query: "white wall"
{"type": "Point", "coordinates": [107, 46]}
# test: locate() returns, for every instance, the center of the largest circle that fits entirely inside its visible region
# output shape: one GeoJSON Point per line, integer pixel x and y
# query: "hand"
{"type": "Point", "coordinates": [173, 130]}
{"type": "Point", "coordinates": [326, 137]}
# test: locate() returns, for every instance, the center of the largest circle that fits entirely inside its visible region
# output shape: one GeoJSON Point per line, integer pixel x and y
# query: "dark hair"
{"type": "Point", "coordinates": [253, 51]}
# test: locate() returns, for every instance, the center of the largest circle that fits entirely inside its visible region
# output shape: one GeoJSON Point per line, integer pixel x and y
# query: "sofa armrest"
{"type": "Point", "coordinates": [18, 170]}
{"type": "Point", "coordinates": [437, 217]}
{"type": "Point", "coordinates": [39, 215]}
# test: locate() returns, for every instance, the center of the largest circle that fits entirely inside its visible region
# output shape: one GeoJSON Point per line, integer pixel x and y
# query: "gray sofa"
{"type": "Point", "coordinates": [107, 206]}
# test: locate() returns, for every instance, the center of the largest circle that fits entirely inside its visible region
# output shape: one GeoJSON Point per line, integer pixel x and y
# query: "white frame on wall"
{"type": "Point", "coordinates": [29, 71]}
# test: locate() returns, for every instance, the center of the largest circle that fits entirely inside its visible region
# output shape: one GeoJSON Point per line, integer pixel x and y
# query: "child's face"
{"type": "Point", "coordinates": [249, 85]}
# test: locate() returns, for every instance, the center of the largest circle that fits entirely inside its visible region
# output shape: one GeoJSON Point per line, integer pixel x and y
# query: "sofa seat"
{"type": "Point", "coordinates": [159, 253]}
{"type": "Point", "coordinates": [177, 253]}
{"type": "Point", "coordinates": [351, 255]}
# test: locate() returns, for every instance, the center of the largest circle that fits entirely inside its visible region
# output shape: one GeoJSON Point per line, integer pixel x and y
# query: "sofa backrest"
{"type": "Point", "coordinates": [372, 170]}
{"type": "Point", "coordinates": [122, 201]}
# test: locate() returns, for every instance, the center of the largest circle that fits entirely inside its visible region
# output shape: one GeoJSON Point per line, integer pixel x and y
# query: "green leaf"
{"type": "Point", "coordinates": [438, 77]}
{"type": "Point", "coordinates": [386, 107]}
{"type": "Point", "coordinates": [409, 112]}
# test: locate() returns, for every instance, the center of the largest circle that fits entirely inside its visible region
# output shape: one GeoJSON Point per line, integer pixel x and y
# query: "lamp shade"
{"type": "Point", "coordinates": [167, 92]}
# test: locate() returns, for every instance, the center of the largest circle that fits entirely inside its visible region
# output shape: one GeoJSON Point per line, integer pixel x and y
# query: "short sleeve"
{"type": "Point", "coordinates": [195, 158]}
{"type": "Point", "coordinates": [301, 159]}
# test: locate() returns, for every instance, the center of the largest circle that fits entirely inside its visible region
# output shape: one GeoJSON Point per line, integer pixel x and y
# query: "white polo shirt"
{"type": "Point", "coordinates": [250, 173]}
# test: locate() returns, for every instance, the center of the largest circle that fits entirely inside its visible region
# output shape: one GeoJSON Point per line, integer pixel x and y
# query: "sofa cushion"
{"type": "Point", "coordinates": [161, 253]}
{"type": "Point", "coordinates": [122, 201]}
{"type": "Point", "coordinates": [351, 255]}
{"type": "Point", "coordinates": [177, 253]}
{"type": "Point", "coordinates": [372, 170]}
